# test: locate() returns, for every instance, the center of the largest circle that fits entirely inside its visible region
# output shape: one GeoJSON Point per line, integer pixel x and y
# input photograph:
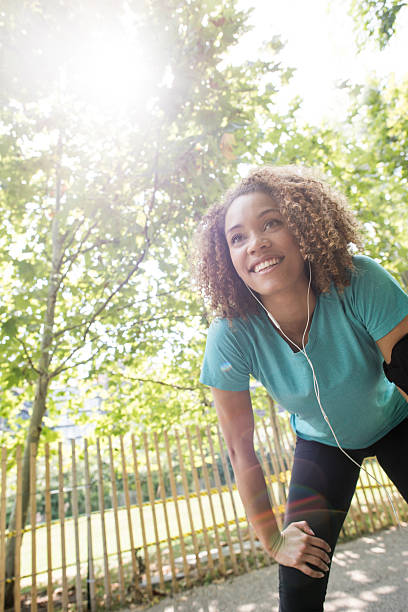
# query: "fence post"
{"type": "Point", "coordinates": [3, 503]}
{"type": "Point", "coordinates": [176, 506]}
{"type": "Point", "coordinates": [153, 507]}
{"type": "Point", "coordinates": [61, 514]}
{"type": "Point", "coordinates": [220, 495]}
{"type": "Point", "coordinates": [229, 485]}
{"type": "Point", "coordinates": [221, 560]}
{"type": "Point", "coordinates": [142, 522]}
{"type": "Point", "coordinates": [17, 562]}
{"type": "Point", "coordinates": [78, 582]}
{"type": "Point", "coordinates": [210, 561]}
{"type": "Point", "coordinates": [188, 503]}
{"type": "Point", "coordinates": [50, 603]}
{"type": "Point", "coordinates": [91, 574]}
{"type": "Point", "coordinates": [106, 575]}
{"type": "Point", "coordinates": [116, 518]}
{"type": "Point", "coordinates": [129, 514]}
{"type": "Point", "coordinates": [166, 516]}
{"type": "Point", "coordinates": [33, 516]}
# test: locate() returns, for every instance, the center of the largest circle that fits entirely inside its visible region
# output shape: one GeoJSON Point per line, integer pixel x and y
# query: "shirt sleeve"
{"type": "Point", "coordinates": [378, 299]}
{"type": "Point", "coordinates": [224, 366]}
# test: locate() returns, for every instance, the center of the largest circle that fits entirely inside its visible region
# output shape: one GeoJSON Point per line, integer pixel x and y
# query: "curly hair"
{"type": "Point", "coordinates": [316, 215]}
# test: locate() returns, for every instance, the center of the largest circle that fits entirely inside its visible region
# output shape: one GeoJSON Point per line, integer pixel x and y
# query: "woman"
{"type": "Point", "coordinates": [275, 264]}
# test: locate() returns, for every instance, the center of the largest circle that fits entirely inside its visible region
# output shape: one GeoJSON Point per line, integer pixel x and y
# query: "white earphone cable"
{"type": "Point", "coordinates": [316, 385]}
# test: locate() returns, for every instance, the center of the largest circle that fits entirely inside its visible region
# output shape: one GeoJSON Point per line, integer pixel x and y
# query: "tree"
{"type": "Point", "coordinates": [98, 196]}
{"type": "Point", "coordinates": [376, 19]}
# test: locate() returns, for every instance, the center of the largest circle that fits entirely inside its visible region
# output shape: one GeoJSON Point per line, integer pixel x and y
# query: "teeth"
{"type": "Point", "coordinates": [266, 264]}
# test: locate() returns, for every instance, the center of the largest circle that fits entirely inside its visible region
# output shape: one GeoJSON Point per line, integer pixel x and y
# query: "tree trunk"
{"type": "Point", "coordinates": [34, 432]}
{"type": "Point", "coordinates": [43, 381]}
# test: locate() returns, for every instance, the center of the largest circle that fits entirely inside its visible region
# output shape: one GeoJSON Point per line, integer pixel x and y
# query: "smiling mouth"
{"type": "Point", "coordinates": [268, 264]}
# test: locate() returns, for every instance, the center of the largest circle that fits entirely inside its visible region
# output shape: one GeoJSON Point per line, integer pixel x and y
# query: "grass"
{"type": "Point", "coordinates": [112, 545]}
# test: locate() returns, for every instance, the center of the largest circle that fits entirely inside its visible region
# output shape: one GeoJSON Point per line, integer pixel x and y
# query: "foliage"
{"type": "Point", "coordinates": [376, 19]}
{"type": "Point", "coordinates": [98, 205]}
{"type": "Point", "coordinates": [376, 170]}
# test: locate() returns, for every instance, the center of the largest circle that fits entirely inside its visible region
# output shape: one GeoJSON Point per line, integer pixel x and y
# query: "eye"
{"type": "Point", "coordinates": [272, 224]}
{"type": "Point", "coordinates": [235, 238]}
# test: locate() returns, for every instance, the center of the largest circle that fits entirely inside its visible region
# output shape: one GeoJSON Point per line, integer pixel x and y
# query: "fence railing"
{"type": "Point", "coordinates": [118, 521]}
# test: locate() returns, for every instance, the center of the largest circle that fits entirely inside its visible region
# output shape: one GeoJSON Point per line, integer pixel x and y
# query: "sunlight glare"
{"type": "Point", "coordinates": [113, 72]}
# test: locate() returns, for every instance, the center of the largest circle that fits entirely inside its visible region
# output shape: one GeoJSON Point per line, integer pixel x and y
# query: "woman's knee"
{"type": "Point", "coordinates": [299, 592]}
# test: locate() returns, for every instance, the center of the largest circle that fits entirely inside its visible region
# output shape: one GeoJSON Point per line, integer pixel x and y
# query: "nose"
{"type": "Point", "coordinates": [257, 241]}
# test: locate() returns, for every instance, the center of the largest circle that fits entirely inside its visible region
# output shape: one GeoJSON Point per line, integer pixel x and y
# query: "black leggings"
{"type": "Point", "coordinates": [321, 488]}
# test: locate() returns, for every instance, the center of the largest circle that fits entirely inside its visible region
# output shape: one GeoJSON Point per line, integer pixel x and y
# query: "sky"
{"type": "Point", "coordinates": [321, 46]}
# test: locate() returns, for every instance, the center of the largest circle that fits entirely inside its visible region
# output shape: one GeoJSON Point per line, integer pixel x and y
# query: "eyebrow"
{"type": "Point", "coordinates": [261, 214]}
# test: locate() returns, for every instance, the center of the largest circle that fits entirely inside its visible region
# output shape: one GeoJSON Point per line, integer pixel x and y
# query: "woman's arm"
{"type": "Point", "coordinates": [297, 542]}
{"type": "Point", "coordinates": [387, 343]}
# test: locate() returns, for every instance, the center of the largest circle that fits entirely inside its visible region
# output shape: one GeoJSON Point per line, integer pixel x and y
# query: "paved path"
{"type": "Point", "coordinates": [369, 574]}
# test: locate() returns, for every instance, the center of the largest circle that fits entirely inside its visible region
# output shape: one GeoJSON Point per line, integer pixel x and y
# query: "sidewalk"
{"type": "Point", "coordinates": [369, 574]}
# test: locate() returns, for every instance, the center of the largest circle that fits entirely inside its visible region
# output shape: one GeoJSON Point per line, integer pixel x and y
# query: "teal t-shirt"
{"type": "Point", "coordinates": [361, 404]}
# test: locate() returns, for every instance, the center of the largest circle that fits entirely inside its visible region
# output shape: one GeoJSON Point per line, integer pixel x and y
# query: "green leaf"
{"type": "Point", "coordinates": [10, 327]}
{"type": "Point", "coordinates": [26, 270]}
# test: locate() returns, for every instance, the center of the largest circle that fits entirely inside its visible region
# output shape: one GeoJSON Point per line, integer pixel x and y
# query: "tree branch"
{"type": "Point", "coordinates": [160, 382]}
{"type": "Point", "coordinates": [97, 244]}
{"type": "Point", "coordinates": [134, 324]}
{"type": "Point", "coordinates": [60, 369]}
{"type": "Point", "coordinates": [74, 256]}
{"type": "Point", "coordinates": [123, 283]}
{"type": "Point", "coordinates": [140, 258]}
{"type": "Point", "coordinates": [112, 295]}
{"type": "Point", "coordinates": [36, 370]}
{"type": "Point", "coordinates": [68, 329]}
{"type": "Point", "coordinates": [71, 241]}
{"type": "Point", "coordinates": [158, 295]}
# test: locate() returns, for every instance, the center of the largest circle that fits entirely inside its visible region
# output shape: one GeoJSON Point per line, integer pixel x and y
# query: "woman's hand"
{"type": "Point", "coordinates": [300, 547]}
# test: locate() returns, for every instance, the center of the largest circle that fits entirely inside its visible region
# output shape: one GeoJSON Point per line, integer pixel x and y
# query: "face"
{"type": "Point", "coordinates": [263, 251]}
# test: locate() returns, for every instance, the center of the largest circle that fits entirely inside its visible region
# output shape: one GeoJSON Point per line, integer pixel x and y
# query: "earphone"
{"type": "Point", "coordinates": [316, 384]}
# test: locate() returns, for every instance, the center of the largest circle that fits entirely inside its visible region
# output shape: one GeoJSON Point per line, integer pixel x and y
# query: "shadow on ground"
{"type": "Point", "coordinates": [369, 574]}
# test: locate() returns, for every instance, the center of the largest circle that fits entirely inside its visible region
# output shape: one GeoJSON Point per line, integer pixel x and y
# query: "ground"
{"type": "Point", "coordinates": [368, 574]}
